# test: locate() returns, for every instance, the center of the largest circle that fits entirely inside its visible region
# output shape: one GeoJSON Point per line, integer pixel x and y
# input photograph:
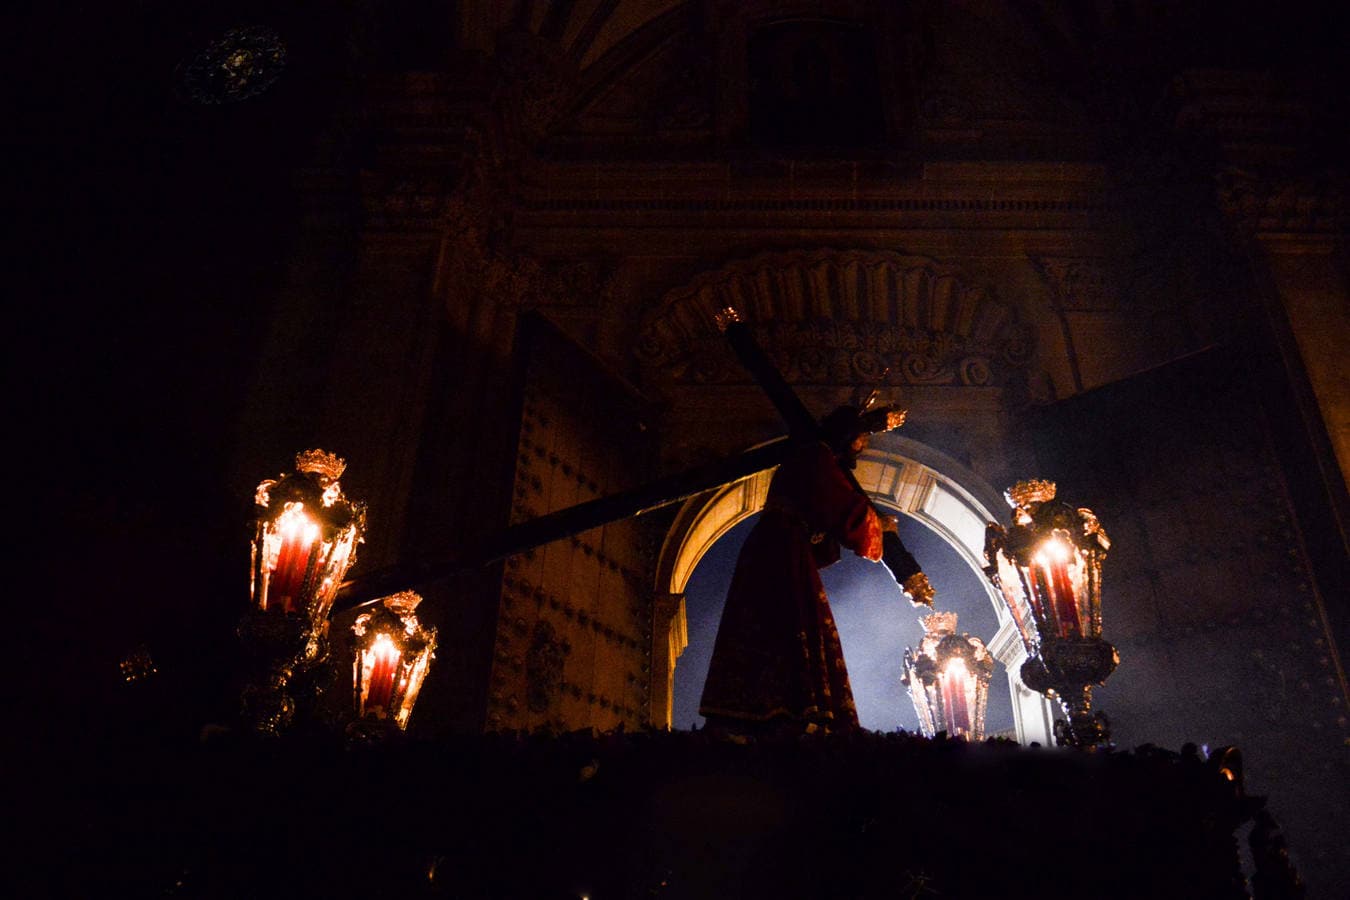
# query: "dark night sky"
{"type": "Point", "coordinates": [876, 624]}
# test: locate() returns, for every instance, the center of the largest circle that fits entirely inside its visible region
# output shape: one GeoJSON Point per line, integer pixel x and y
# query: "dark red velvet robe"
{"type": "Point", "coordinates": [777, 654]}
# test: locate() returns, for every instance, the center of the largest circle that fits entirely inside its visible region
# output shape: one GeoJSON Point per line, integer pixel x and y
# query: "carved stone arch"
{"type": "Point", "coordinates": [901, 474]}
{"type": "Point", "coordinates": [839, 317]}
{"type": "Point", "coordinates": [657, 79]}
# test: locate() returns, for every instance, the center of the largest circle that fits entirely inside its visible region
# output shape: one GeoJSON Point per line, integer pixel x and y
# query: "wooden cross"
{"type": "Point", "coordinates": [802, 428]}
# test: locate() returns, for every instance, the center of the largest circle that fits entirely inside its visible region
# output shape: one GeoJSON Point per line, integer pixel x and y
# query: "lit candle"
{"type": "Point", "coordinates": [1052, 579]}
{"type": "Point", "coordinates": [383, 659]}
{"type": "Point", "coordinates": [287, 579]}
{"type": "Point", "coordinates": [1041, 594]}
{"type": "Point", "coordinates": [1065, 603]}
{"type": "Point", "coordinates": [954, 683]}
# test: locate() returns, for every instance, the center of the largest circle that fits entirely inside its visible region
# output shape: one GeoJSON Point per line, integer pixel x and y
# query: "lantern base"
{"type": "Point", "coordinates": [272, 639]}
{"type": "Point", "coordinates": [1083, 729]}
{"type": "Point", "coordinates": [267, 708]}
{"type": "Point", "coordinates": [371, 731]}
{"type": "Point", "coordinates": [1068, 665]}
{"type": "Point", "coordinates": [279, 648]}
{"type": "Point", "coordinates": [1066, 670]}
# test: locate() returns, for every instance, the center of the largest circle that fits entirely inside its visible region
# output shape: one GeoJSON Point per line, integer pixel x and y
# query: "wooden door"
{"type": "Point", "coordinates": [574, 634]}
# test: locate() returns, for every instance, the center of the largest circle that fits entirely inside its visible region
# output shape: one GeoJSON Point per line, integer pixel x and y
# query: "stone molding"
{"type": "Point", "coordinates": [839, 317]}
{"type": "Point", "coordinates": [675, 202]}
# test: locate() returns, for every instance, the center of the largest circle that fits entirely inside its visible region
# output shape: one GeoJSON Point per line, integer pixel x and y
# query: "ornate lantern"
{"type": "Point", "coordinates": [305, 538]}
{"type": "Point", "coordinates": [948, 679]}
{"type": "Point", "coordinates": [1048, 569]}
{"type": "Point", "coordinates": [393, 652]}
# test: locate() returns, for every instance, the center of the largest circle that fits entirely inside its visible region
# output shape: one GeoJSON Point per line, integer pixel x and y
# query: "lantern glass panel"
{"type": "Point", "coordinates": [1013, 588]}
{"type": "Point", "coordinates": [918, 696]}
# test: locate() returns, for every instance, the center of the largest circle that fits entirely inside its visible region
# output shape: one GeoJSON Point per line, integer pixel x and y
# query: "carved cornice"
{"type": "Point", "coordinates": [701, 202]}
{"type": "Point", "coordinates": [1306, 205]}
{"type": "Point", "coordinates": [839, 318]}
{"type": "Point", "coordinates": [1265, 128]}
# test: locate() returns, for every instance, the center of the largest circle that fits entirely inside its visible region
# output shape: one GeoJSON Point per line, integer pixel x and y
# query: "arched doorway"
{"type": "Point", "coordinates": [931, 490]}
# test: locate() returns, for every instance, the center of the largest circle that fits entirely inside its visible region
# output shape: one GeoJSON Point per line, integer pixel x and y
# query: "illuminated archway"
{"type": "Point", "coordinates": [900, 474]}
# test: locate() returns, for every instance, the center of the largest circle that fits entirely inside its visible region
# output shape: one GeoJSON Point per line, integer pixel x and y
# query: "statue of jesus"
{"type": "Point", "coordinates": [777, 664]}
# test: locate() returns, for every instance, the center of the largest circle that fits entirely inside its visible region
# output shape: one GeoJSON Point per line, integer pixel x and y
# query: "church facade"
{"type": "Point", "coordinates": [1131, 282]}
{"type": "Point", "coordinates": [1098, 247]}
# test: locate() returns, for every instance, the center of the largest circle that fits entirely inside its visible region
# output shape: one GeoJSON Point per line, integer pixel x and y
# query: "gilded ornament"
{"type": "Point", "coordinates": [328, 466]}
{"type": "Point", "coordinates": [920, 592]}
{"type": "Point", "coordinates": [242, 63]}
{"type": "Point", "coordinates": [939, 622]}
{"type": "Point", "coordinates": [1033, 490]}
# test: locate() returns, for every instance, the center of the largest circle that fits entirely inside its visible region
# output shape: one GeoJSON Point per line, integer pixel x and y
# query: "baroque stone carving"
{"type": "Point", "coordinates": [538, 78]}
{"type": "Point", "coordinates": [1306, 205]}
{"type": "Point", "coordinates": [839, 318]}
{"type": "Point", "coordinates": [1077, 284]}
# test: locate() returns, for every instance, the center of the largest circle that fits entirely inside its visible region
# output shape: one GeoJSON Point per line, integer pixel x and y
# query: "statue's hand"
{"type": "Point", "coordinates": [919, 590]}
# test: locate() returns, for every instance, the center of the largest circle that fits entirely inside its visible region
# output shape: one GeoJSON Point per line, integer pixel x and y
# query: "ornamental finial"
{"type": "Point", "coordinates": [402, 604]}
{"type": "Point", "coordinates": [328, 466]}
{"type": "Point", "coordinates": [1032, 490]}
{"type": "Point", "coordinates": [939, 623]}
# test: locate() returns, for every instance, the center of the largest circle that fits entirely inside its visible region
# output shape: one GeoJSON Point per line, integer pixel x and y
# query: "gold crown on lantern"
{"type": "Point", "coordinates": [403, 603]}
{"type": "Point", "coordinates": [939, 623]}
{"type": "Point", "coordinates": [328, 466]}
{"type": "Point", "coordinates": [1033, 490]}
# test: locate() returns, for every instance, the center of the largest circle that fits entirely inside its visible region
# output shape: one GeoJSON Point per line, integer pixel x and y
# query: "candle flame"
{"type": "Point", "coordinates": [1053, 550]}
{"type": "Point", "coordinates": [295, 524]}
{"type": "Point", "coordinates": [383, 649]}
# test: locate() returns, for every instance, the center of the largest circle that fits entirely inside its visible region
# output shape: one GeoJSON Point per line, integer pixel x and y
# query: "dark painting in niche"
{"type": "Point", "coordinates": [814, 88]}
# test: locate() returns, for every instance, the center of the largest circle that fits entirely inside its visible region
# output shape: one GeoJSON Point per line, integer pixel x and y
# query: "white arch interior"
{"type": "Point", "coordinates": [898, 480]}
